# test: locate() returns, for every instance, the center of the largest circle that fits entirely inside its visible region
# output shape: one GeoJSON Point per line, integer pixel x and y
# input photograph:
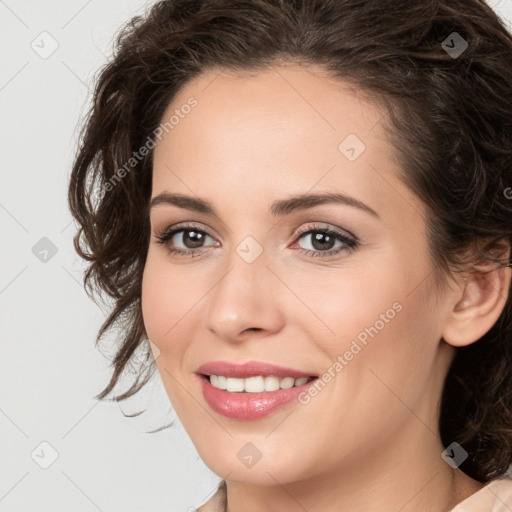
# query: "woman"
{"type": "Point", "coordinates": [306, 206]}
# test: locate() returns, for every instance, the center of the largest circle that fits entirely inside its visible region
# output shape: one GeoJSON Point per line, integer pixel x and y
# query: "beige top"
{"type": "Point", "coordinates": [496, 496]}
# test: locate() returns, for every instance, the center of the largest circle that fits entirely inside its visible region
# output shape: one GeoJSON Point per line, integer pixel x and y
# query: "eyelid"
{"type": "Point", "coordinates": [322, 226]}
{"type": "Point", "coordinates": [181, 226]}
{"type": "Point", "coordinates": [293, 233]}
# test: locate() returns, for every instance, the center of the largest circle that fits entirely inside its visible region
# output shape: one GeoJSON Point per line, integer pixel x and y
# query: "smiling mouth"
{"type": "Point", "coordinates": [255, 384]}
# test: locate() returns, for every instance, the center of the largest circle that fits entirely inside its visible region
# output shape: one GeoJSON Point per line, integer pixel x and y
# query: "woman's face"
{"type": "Point", "coordinates": [261, 280]}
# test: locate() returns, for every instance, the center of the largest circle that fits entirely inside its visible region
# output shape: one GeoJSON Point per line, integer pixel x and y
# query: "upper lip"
{"type": "Point", "coordinates": [249, 369]}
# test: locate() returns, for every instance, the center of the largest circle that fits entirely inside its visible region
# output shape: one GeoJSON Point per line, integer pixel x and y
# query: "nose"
{"type": "Point", "coordinates": [246, 301]}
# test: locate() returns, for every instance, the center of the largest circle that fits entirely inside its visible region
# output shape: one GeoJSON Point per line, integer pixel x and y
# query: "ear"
{"type": "Point", "coordinates": [481, 296]}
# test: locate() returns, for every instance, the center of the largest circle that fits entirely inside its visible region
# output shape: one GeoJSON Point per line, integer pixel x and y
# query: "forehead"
{"type": "Point", "coordinates": [287, 101]}
{"type": "Point", "coordinates": [283, 128]}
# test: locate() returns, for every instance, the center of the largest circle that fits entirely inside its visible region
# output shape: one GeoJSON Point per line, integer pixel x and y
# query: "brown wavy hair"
{"type": "Point", "coordinates": [450, 123]}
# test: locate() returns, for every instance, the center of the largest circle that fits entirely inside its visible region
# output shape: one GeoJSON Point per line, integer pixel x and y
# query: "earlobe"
{"type": "Point", "coordinates": [478, 307]}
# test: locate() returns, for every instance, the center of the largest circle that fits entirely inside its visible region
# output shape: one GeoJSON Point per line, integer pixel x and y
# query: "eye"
{"type": "Point", "coordinates": [323, 240]}
{"type": "Point", "coordinates": [188, 235]}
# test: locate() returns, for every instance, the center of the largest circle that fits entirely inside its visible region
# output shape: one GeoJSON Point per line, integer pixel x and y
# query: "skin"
{"type": "Point", "coordinates": [369, 440]}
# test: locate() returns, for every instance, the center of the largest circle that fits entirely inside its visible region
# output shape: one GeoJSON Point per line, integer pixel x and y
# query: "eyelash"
{"type": "Point", "coordinates": [350, 243]}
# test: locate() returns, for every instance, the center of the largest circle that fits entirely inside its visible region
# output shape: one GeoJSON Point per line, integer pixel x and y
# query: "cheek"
{"type": "Point", "coordinates": [153, 298]}
{"type": "Point", "coordinates": [390, 342]}
{"type": "Point", "coordinates": [345, 303]}
{"type": "Point", "coordinates": [165, 301]}
{"type": "Point", "coordinates": [379, 318]}
{"type": "Point", "coordinates": [166, 308]}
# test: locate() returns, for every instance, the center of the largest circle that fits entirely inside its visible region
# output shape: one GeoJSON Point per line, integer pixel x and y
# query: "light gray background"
{"type": "Point", "coordinates": [49, 367]}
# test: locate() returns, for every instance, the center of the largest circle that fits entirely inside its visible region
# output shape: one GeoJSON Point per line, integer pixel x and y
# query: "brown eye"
{"type": "Point", "coordinates": [190, 237]}
{"type": "Point", "coordinates": [322, 241]}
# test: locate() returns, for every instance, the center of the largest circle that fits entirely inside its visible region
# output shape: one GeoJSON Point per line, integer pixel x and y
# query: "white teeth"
{"type": "Point", "coordinates": [219, 381]}
{"type": "Point", "coordinates": [256, 384]}
{"type": "Point", "coordinates": [287, 383]}
{"type": "Point", "coordinates": [234, 384]}
{"type": "Point", "coordinates": [222, 382]}
{"type": "Point", "coordinates": [271, 383]}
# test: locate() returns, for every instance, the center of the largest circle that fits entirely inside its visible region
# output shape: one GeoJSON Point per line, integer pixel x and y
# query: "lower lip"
{"type": "Point", "coordinates": [248, 406]}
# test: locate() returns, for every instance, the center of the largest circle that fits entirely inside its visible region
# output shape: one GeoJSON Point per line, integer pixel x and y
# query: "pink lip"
{"type": "Point", "coordinates": [248, 406]}
{"type": "Point", "coordinates": [249, 369]}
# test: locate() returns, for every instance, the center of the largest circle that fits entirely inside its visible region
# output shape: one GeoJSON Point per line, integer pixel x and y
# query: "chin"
{"type": "Point", "coordinates": [263, 472]}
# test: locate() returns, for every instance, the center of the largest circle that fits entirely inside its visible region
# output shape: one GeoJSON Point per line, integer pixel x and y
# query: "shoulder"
{"type": "Point", "coordinates": [495, 496]}
{"type": "Point", "coordinates": [217, 503]}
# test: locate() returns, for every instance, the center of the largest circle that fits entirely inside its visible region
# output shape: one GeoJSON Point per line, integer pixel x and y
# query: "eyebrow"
{"type": "Point", "coordinates": [278, 208]}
